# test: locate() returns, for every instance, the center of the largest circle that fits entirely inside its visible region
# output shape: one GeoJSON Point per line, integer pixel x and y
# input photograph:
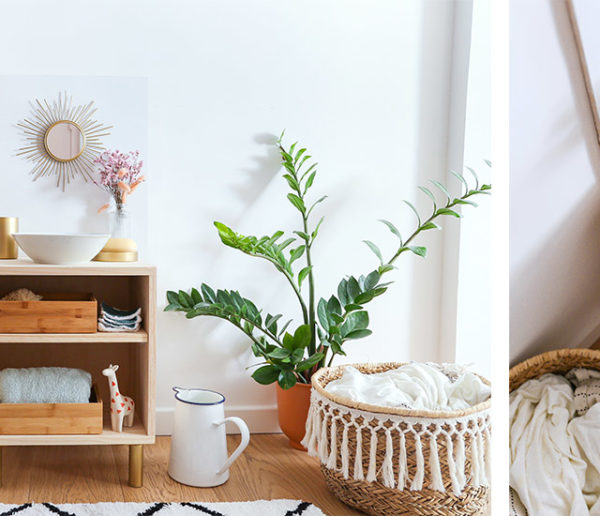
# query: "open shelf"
{"type": "Point", "coordinates": [135, 435]}
{"type": "Point", "coordinates": [99, 337]}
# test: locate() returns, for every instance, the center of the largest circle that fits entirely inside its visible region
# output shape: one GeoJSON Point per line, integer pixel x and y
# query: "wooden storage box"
{"type": "Point", "coordinates": [52, 418]}
{"type": "Point", "coordinates": [55, 313]}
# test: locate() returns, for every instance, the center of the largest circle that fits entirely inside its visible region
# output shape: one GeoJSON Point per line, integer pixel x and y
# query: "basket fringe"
{"type": "Point", "coordinates": [387, 469]}
{"type": "Point", "coordinates": [452, 466]}
{"type": "Point", "coordinates": [344, 453]}
{"type": "Point", "coordinates": [372, 471]}
{"type": "Point", "coordinates": [322, 440]}
{"type": "Point", "coordinates": [358, 467]}
{"type": "Point", "coordinates": [460, 461]}
{"type": "Point", "coordinates": [417, 483]}
{"type": "Point", "coordinates": [402, 468]}
{"type": "Point", "coordinates": [434, 465]}
{"type": "Point", "coordinates": [488, 464]}
{"type": "Point", "coordinates": [332, 461]}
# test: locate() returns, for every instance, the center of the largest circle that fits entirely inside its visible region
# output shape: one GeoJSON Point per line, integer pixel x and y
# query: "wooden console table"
{"type": "Point", "coordinates": [124, 286]}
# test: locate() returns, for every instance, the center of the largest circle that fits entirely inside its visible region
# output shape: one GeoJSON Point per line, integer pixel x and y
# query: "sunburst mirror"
{"type": "Point", "coordinates": [62, 139]}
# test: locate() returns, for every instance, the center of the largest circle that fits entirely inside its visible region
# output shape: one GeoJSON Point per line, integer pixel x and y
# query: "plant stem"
{"type": "Point", "coordinates": [311, 294]}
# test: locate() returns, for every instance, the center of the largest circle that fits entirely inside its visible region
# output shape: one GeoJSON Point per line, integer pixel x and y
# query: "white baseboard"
{"type": "Point", "coordinates": [260, 419]}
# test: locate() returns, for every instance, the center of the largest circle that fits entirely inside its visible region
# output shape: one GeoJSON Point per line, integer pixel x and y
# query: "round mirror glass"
{"type": "Point", "coordinates": [64, 141]}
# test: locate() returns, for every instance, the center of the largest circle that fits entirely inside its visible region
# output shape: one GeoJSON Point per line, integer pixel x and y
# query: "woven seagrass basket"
{"type": "Point", "coordinates": [559, 361]}
{"type": "Point", "coordinates": [396, 461]}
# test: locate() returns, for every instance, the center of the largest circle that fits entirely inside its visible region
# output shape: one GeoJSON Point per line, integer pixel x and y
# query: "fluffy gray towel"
{"type": "Point", "coordinates": [587, 388]}
{"type": "Point", "coordinates": [45, 385]}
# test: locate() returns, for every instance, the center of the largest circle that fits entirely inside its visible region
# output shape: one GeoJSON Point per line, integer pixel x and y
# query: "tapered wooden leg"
{"type": "Point", "coordinates": [136, 465]}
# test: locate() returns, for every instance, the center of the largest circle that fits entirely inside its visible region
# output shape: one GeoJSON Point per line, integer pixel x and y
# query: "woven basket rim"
{"type": "Point", "coordinates": [530, 368]}
{"type": "Point", "coordinates": [369, 368]}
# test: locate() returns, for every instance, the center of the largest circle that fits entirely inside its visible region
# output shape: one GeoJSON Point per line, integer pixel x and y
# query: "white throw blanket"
{"type": "Point", "coordinates": [555, 457]}
{"type": "Point", "coordinates": [415, 386]}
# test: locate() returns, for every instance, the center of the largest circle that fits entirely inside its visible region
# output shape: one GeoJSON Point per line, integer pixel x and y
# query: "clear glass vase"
{"type": "Point", "coordinates": [120, 223]}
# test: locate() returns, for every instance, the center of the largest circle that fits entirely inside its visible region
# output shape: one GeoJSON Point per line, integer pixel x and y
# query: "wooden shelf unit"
{"type": "Point", "coordinates": [125, 286]}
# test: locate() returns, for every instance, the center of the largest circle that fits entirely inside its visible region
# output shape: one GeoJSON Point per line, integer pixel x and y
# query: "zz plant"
{"type": "Point", "coordinates": [290, 357]}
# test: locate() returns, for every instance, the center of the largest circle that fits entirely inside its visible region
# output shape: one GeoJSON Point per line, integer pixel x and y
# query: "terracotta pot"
{"type": "Point", "coordinates": [293, 405]}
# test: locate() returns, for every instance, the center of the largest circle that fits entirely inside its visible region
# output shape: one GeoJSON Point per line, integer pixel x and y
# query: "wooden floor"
{"type": "Point", "coordinates": [268, 469]}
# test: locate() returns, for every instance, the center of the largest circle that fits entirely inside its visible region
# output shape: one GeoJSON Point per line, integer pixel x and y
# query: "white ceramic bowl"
{"type": "Point", "coordinates": [61, 249]}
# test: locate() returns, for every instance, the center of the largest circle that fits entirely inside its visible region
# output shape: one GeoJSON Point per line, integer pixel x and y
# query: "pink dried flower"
{"type": "Point", "coordinates": [118, 172]}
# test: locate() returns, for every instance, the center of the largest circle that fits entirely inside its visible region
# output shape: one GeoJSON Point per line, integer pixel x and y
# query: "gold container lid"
{"type": "Point", "coordinates": [116, 256]}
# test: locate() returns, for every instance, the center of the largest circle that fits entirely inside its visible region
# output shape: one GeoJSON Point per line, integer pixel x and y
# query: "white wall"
{"type": "Point", "coordinates": [554, 194]}
{"type": "Point", "coordinates": [41, 206]}
{"type": "Point", "coordinates": [364, 85]}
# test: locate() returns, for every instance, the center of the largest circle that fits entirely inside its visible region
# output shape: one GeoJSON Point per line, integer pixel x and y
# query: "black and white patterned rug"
{"type": "Point", "coordinates": [257, 508]}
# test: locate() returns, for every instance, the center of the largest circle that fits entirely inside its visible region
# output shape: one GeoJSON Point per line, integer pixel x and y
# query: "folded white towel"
{"type": "Point", "coordinates": [45, 385]}
{"type": "Point", "coordinates": [415, 385]}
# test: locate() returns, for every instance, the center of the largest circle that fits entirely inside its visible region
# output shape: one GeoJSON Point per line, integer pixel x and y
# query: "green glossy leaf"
{"type": "Point", "coordinates": [365, 297]}
{"type": "Point", "coordinates": [302, 336]}
{"type": "Point", "coordinates": [309, 181]}
{"type": "Point", "coordinates": [286, 379]}
{"type": "Point", "coordinates": [172, 307]}
{"type": "Point", "coordinates": [358, 334]}
{"type": "Point", "coordinates": [311, 361]}
{"type": "Point", "coordinates": [266, 374]}
{"type": "Point", "coordinates": [418, 250]}
{"type": "Point", "coordinates": [371, 280]}
{"type": "Point", "coordinates": [333, 306]}
{"type": "Point", "coordinates": [303, 274]}
{"type": "Point", "coordinates": [448, 211]}
{"type": "Point", "coordinates": [461, 179]}
{"type": "Point", "coordinates": [385, 268]}
{"type": "Point", "coordinates": [351, 307]}
{"type": "Point", "coordinates": [296, 253]}
{"type": "Point", "coordinates": [185, 299]}
{"type": "Point", "coordinates": [429, 194]}
{"type": "Point", "coordinates": [318, 201]}
{"type": "Point", "coordinates": [441, 188]}
{"type": "Point", "coordinates": [392, 228]}
{"type": "Point", "coordinates": [430, 225]}
{"type": "Point", "coordinates": [280, 354]}
{"type": "Point", "coordinates": [208, 293]}
{"type": "Point", "coordinates": [342, 292]}
{"type": "Point", "coordinates": [303, 235]}
{"type": "Point", "coordinates": [316, 230]}
{"type": "Point", "coordinates": [322, 314]}
{"type": "Point", "coordinates": [414, 211]}
{"type": "Point", "coordinates": [172, 297]}
{"type": "Point", "coordinates": [297, 202]}
{"type": "Point", "coordinates": [355, 321]}
{"type": "Point", "coordinates": [375, 249]}
{"type": "Point", "coordinates": [352, 288]}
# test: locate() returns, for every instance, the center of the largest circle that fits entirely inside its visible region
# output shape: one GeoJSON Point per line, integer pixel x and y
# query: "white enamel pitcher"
{"type": "Point", "coordinates": [199, 443]}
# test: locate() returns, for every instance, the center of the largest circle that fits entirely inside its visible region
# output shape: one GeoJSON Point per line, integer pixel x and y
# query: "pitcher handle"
{"type": "Point", "coordinates": [245, 440]}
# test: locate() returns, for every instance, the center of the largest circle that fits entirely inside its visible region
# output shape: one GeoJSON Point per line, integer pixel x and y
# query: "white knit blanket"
{"type": "Point", "coordinates": [415, 386]}
{"type": "Point", "coordinates": [554, 456]}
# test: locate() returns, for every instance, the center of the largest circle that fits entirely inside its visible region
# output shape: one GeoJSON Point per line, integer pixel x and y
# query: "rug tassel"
{"type": "Point", "coordinates": [460, 462]}
{"type": "Point", "coordinates": [417, 483]}
{"type": "Point", "coordinates": [332, 461]}
{"type": "Point", "coordinates": [452, 466]}
{"type": "Point", "coordinates": [387, 469]}
{"type": "Point", "coordinates": [344, 453]}
{"type": "Point", "coordinates": [480, 452]}
{"type": "Point", "coordinates": [323, 455]}
{"type": "Point", "coordinates": [434, 465]}
{"type": "Point", "coordinates": [372, 471]}
{"type": "Point", "coordinates": [358, 466]}
{"type": "Point", "coordinates": [402, 473]}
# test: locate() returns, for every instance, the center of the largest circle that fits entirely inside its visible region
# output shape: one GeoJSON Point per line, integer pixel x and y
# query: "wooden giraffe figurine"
{"type": "Point", "coordinates": [121, 407]}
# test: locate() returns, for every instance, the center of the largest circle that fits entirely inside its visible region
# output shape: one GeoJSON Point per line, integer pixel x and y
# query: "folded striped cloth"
{"type": "Point", "coordinates": [113, 319]}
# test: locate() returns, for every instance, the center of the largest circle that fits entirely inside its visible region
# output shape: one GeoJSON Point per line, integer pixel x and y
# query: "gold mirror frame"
{"type": "Point", "coordinates": [47, 146]}
{"type": "Point", "coordinates": [44, 116]}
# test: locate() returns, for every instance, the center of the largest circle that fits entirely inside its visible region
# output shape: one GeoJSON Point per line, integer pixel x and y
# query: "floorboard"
{"type": "Point", "coordinates": [268, 469]}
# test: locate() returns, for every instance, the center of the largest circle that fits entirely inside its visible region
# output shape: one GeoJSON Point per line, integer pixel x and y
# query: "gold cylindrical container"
{"type": "Point", "coordinates": [9, 250]}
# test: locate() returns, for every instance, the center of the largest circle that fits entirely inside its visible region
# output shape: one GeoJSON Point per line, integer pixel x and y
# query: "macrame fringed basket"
{"type": "Point", "coordinates": [386, 461]}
